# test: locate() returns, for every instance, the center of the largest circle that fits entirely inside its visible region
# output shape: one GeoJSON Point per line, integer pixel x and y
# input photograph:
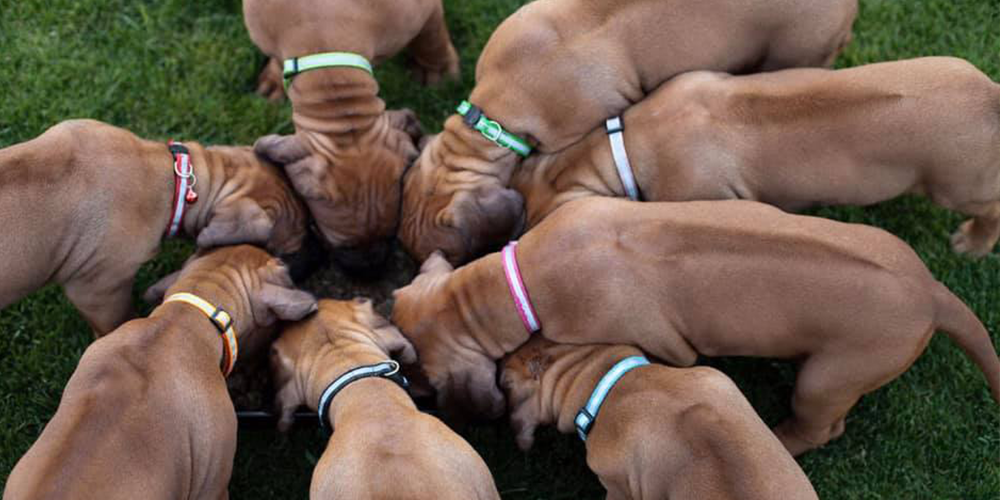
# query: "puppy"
{"type": "Point", "coordinates": [556, 69]}
{"type": "Point", "coordinates": [86, 204]}
{"type": "Point", "coordinates": [798, 138]}
{"type": "Point", "coordinates": [854, 304]}
{"type": "Point", "coordinates": [348, 153]}
{"type": "Point", "coordinates": [146, 413]}
{"type": "Point", "coordinates": [659, 432]}
{"type": "Point", "coordinates": [382, 447]}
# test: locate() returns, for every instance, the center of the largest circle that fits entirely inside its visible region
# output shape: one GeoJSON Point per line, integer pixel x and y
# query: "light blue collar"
{"type": "Point", "coordinates": [585, 418]}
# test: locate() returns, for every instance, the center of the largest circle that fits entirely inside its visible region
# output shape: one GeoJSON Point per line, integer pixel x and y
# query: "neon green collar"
{"type": "Point", "coordinates": [302, 64]}
{"type": "Point", "coordinates": [477, 120]}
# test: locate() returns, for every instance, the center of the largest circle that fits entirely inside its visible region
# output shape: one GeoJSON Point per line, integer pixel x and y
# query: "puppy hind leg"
{"type": "Point", "coordinates": [434, 58]}
{"type": "Point", "coordinates": [819, 405]}
{"type": "Point", "coordinates": [978, 236]}
{"type": "Point", "coordinates": [104, 307]}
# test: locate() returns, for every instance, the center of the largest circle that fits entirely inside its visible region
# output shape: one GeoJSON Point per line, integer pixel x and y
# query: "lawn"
{"type": "Point", "coordinates": [186, 70]}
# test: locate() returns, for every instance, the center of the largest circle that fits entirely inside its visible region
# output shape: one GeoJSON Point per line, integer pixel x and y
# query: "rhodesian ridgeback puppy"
{"type": "Point", "coordinates": [660, 432]}
{"type": "Point", "coordinates": [854, 304]}
{"type": "Point", "coordinates": [556, 69]}
{"type": "Point", "coordinates": [798, 138]}
{"type": "Point", "coordinates": [348, 153]}
{"type": "Point", "coordinates": [338, 363]}
{"type": "Point", "coordinates": [85, 204]}
{"type": "Point", "coordinates": [146, 414]}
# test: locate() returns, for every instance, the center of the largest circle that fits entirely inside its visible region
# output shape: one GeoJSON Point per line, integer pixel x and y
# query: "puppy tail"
{"type": "Point", "coordinates": [964, 328]}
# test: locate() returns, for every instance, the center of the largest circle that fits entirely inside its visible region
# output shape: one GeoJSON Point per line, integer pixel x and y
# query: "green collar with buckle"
{"type": "Point", "coordinates": [302, 64]}
{"type": "Point", "coordinates": [477, 120]}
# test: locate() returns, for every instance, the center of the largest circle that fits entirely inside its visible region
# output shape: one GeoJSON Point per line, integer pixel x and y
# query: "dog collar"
{"type": "Point", "coordinates": [586, 416]}
{"type": "Point", "coordinates": [475, 119]}
{"type": "Point", "coordinates": [302, 64]}
{"type": "Point", "coordinates": [518, 292]}
{"type": "Point", "coordinates": [386, 369]}
{"type": "Point", "coordinates": [222, 321]}
{"type": "Point", "coordinates": [184, 182]}
{"type": "Point", "coordinates": [617, 137]}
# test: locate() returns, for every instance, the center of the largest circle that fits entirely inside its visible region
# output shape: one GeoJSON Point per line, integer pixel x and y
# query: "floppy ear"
{"type": "Point", "coordinates": [281, 149]}
{"type": "Point", "coordinates": [406, 121]}
{"type": "Point", "coordinates": [524, 421]}
{"type": "Point", "coordinates": [436, 263]}
{"type": "Point", "coordinates": [503, 209]}
{"type": "Point", "coordinates": [242, 221]}
{"type": "Point", "coordinates": [310, 176]}
{"type": "Point", "coordinates": [288, 398]}
{"type": "Point", "coordinates": [154, 294]}
{"type": "Point", "coordinates": [525, 407]}
{"type": "Point", "coordinates": [485, 218]}
{"type": "Point", "coordinates": [287, 304]}
{"type": "Point", "coordinates": [279, 295]}
{"type": "Point", "coordinates": [387, 336]}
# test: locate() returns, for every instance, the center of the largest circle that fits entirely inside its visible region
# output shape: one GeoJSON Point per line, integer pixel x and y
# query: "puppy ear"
{"type": "Point", "coordinates": [154, 294]}
{"type": "Point", "coordinates": [504, 211]}
{"type": "Point", "coordinates": [406, 121]}
{"type": "Point", "coordinates": [311, 178]}
{"type": "Point", "coordinates": [485, 218]}
{"type": "Point", "coordinates": [286, 303]}
{"type": "Point", "coordinates": [436, 263]}
{"type": "Point", "coordinates": [287, 399]}
{"type": "Point", "coordinates": [387, 336]}
{"type": "Point", "coordinates": [525, 406]}
{"type": "Point", "coordinates": [243, 221]}
{"type": "Point", "coordinates": [280, 297]}
{"type": "Point", "coordinates": [281, 149]}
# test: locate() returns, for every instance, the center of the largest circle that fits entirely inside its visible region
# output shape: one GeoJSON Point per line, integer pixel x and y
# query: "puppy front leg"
{"type": "Point", "coordinates": [104, 306]}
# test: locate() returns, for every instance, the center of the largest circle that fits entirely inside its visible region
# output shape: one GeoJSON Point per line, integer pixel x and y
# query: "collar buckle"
{"type": "Point", "coordinates": [221, 320]}
{"type": "Point", "coordinates": [474, 118]}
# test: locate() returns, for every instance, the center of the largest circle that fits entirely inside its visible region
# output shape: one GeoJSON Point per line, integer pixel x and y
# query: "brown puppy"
{"type": "Point", "coordinates": [719, 278]}
{"type": "Point", "coordinates": [556, 68]}
{"type": "Point", "coordinates": [382, 447]}
{"type": "Point", "coordinates": [146, 413]}
{"type": "Point", "coordinates": [661, 432]}
{"type": "Point", "coordinates": [85, 204]}
{"type": "Point", "coordinates": [348, 153]}
{"type": "Point", "coordinates": [797, 138]}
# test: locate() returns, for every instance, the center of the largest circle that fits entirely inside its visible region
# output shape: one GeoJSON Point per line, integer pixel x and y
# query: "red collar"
{"type": "Point", "coordinates": [184, 182]}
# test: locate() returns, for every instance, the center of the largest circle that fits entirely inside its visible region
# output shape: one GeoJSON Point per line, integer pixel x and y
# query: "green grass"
{"type": "Point", "coordinates": [187, 70]}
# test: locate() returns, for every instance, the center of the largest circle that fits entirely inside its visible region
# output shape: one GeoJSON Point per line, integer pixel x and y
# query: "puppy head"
{"type": "Point", "coordinates": [460, 371]}
{"type": "Point", "coordinates": [348, 328]}
{"type": "Point", "coordinates": [355, 199]}
{"type": "Point", "coordinates": [263, 209]}
{"type": "Point", "coordinates": [256, 286]}
{"type": "Point", "coordinates": [520, 379]}
{"type": "Point", "coordinates": [463, 223]}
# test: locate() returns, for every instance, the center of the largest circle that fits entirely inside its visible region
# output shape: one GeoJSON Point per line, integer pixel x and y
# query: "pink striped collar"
{"type": "Point", "coordinates": [522, 301]}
